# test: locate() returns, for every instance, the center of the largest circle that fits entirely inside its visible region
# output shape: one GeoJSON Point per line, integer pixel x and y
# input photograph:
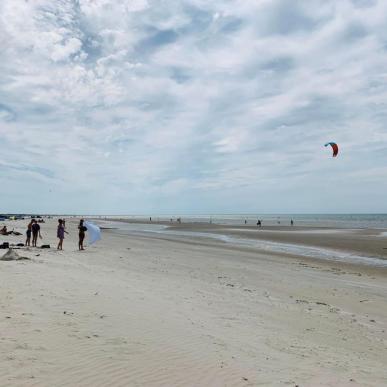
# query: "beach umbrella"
{"type": "Point", "coordinates": [94, 232]}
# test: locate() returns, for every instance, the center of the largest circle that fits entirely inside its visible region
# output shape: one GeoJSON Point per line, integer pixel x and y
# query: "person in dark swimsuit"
{"type": "Point", "coordinates": [82, 229]}
{"type": "Point", "coordinates": [35, 232]}
{"type": "Point", "coordinates": [28, 233]}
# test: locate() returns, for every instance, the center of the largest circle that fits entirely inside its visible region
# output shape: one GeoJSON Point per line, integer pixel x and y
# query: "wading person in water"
{"type": "Point", "coordinates": [60, 233]}
{"type": "Point", "coordinates": [82, 230]}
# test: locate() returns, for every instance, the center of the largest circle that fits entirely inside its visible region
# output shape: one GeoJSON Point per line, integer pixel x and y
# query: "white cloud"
{"type": "Point", "coordinates": [65, 50]}
{"type": "Point", "coordinates": [184, 102]}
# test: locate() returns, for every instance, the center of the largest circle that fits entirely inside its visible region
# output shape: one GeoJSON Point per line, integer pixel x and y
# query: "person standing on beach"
{"type": "Point", "coordinates": [35, 232]}
{"type": "Point", "coordinates": [60, 233]}
{"type": "Point", "coordinates": [82, 231]}
{"type": "Point", "coordinates": [28, 233]}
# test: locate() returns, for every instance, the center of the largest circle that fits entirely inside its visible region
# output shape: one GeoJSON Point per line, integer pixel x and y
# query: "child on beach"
{"type": "Point", "coordinates": [82, 230]}
{"type": "Point", "coordinates": [60, 233]}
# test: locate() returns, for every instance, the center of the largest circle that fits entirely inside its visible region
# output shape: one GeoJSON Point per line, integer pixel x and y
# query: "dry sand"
{"type": "Point", "coordinates": [147, 311]}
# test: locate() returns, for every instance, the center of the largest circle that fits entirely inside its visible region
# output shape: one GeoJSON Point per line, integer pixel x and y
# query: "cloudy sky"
{"type": "Point", "coordinates": [193, 106]}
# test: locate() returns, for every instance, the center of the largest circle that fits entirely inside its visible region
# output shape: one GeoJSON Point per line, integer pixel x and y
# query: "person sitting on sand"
{"type": "Point", "coordinates": [28, 233]}
{"type": "Point", "coordinates": [60, 233]}
{"type": "Point", "coordinates": [82, 230]}
{"type": "Point", "coordinates": [4, 231]}
{"type": "Point", "coordinates": [35, 232]}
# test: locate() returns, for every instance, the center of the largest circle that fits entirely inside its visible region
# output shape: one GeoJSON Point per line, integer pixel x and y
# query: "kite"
{"type": "Point", "coordinates": [335, 148]}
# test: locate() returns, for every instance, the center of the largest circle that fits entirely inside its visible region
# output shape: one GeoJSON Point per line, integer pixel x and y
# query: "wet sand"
{"type": "Point", "coordinates": [367, 242]}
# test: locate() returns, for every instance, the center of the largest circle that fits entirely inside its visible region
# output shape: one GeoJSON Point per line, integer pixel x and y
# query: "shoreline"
{"type": "Point", "coordinates": [360, 244]}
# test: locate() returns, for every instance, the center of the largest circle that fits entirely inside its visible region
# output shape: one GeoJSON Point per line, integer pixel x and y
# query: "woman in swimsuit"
{"type": "Point", "coordinates": [82, 230]}
{"type": "Point", "coordinates": [28, 233]}
{"type": "Point", "coordinates": [60, 234]}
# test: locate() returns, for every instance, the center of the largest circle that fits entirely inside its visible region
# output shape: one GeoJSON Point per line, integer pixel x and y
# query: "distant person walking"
{"type": "Point", "coordinates": [35, 232]}
{"type": "Point", "coordinates": [60, 233]}
{"type": "Point", "coordinates": [291, 222]}
{"type": "Point", "coordinates": [28, 233]}
{"type": "Point", "coordinates": [82, 232]}
{"type": "Point", "coordinates": [259, 223]}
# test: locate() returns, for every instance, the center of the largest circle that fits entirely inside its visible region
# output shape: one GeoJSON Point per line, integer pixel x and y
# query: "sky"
{"type": "Point", "coordinates": [193, 106]}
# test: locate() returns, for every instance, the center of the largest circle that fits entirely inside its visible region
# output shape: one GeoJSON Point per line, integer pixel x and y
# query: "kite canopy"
{"type": "Point", "coordinates": [94, 232]}
{"type": "Point", "coordinates": [335, 148]}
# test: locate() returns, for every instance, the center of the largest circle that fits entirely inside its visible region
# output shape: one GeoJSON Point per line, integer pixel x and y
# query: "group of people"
{"type": "Point", "coordinates": [33, 229]}
{"type": "Point", "coordinates": [259, 222]}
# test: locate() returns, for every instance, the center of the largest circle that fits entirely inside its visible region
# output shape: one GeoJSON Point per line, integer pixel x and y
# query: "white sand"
{"type": "Point", "coordinates": [136, 311]}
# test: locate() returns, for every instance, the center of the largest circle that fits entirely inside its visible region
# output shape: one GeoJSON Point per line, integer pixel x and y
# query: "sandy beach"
{"type": "Point", "coordinates": [170, 310]}
{"type": "Point", "coordinates": [233, 155]}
